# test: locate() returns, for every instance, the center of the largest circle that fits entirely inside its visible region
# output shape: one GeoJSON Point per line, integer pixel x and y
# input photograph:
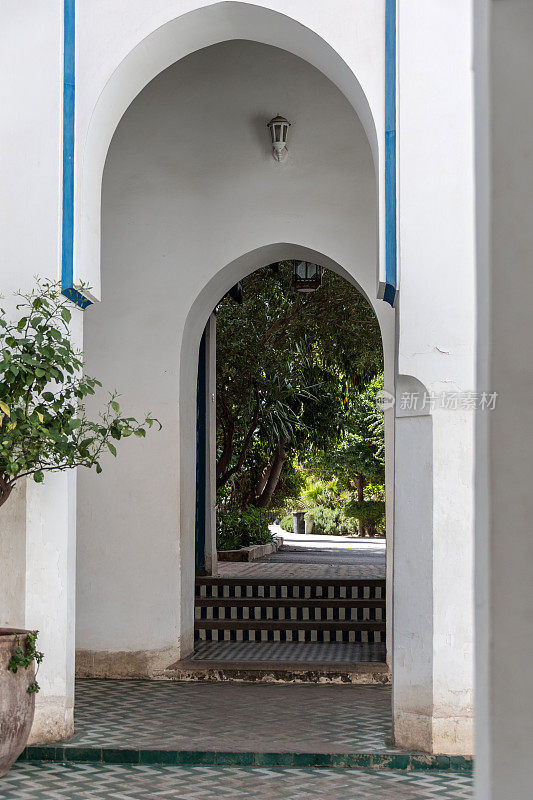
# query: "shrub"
{"type": "Point", "coordinates": [287, 523]}
{"type": "Point", "coordinates": [331, 521]}
{"type": "Point", "coordinates": [326, 521]}
{"type": "Point", "coordinates": [237, 528]}
{"type": "Point", "coordinates": [371, 514]}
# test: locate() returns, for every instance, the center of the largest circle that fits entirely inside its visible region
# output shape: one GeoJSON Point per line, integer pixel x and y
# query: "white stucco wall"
{"type": "Point", "coordinates": [189, 187]}
{"type": "Point", "coordinates": [166, 249]}
{"type": "Point", "coordinates": [39, 536]}
{"type": "Point", "coordinates": [121, 48]}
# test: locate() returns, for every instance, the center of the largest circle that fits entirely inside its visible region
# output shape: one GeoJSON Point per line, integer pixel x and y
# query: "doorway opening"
{"type": "Point", "coordinates": [295, 514]}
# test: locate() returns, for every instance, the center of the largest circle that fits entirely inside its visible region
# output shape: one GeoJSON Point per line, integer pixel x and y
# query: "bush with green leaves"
{"type": "Point", "coordinates": [371, 513]}
{"type": "Point", "coordinates": [43, 424]}
{"type": "Point", "coordinates": [326, 521]}
{"type": "Point", "coordinates": [236, 528]}
{"type": "Point", "coordinates": [287, 523]}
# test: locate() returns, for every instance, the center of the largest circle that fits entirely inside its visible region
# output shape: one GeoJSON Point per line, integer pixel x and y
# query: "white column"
{"type": "Point", "coordinates": [13, 558]}
{"type": "Point", "coordinates": [434, 485]}
{"type": "Point", "coordinates": [41, 529]}
{"type": "Point", "coordinates": [50, 599]}
{"type": "Point", "coordinates": [433, 587]}
{"type": "Point", "coordinates": [504, 540]}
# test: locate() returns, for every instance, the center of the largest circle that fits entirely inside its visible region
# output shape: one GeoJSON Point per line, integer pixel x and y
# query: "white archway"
{"type": "Point", "coordinates": [176, 210]}
{"type": "Point", "coordinates": [225, 20]}
{"type": "Point", "coordinates": [195, 322]}
{"type": "Point", "coordinates": [145, 61]}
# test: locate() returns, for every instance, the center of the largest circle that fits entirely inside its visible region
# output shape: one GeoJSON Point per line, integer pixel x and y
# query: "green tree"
{"type": "Point", "coordinates": [43, 424]}
{"type": "Point", "coordinates": [289, 366]}
{"type": "Point", "coordinates": [358, 457]}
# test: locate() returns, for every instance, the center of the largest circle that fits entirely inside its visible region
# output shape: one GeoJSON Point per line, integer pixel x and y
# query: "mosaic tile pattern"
{"type": "Point", "coordinates": [285, 609]}
{"type": "Point", "coordinates": [289, 652]}
{"type": "Point", "coordinates": [34, 781]}
{"type": "Point", "coordinates": [232, 716]}
{"type": "Point", "coordinates": [269, 634]}
{"type": "Point", "coordinates": [302, 588]}
{"type": "Point", "coordinates": [290, 610]}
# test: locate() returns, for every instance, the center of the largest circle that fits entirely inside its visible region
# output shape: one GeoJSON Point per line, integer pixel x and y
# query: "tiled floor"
{"type": "Point", "coordinates": [232, 717]}
{"type": "Point", "coordinates": [119, 782]}
{"type": "Point", "coordinates": [360, 560]}
{"type": "Point", "coordinates": [265, 568]}
{"type": "Point", "coordinates": [290, 652]}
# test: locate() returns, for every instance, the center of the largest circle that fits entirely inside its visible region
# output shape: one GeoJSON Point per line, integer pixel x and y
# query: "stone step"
{"type": "Point", "coordinates": [370, 631]}
{"type": "Point", "coordinates": [289, 609]}
{"type": "Point", "coordinates": [289, 602]}
{"type": "Point", "coordinates": [291, 588]}
{"type": "Point", "coordinates": [212, 671]}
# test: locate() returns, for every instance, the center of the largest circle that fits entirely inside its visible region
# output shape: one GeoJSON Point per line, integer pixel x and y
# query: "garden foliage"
{"type": "Point", "coordinates": [241, 528]}
{"type": "Point", "coordinates": [43, 424]}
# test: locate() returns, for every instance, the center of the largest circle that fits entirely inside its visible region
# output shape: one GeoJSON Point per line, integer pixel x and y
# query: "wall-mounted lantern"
{"type": "Point", "coordinates": [279, 127]}
{"type": "Point", "coordinates": [306, 277]}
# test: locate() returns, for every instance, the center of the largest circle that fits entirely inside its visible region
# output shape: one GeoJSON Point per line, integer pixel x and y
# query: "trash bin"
{"type": "Point", "coordinates": [309, 522]}
{"type": "Point", "coordinates": [299, 521]}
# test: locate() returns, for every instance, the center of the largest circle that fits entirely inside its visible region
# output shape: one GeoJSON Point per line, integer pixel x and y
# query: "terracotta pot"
{"type": "Point", "coordinates": [17, 705]}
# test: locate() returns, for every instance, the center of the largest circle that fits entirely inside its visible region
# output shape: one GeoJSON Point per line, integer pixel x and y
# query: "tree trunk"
{"type": "Point", "coordinates": [262, 482]}
{"type": "Point", "coordinates": [280, 456]}
{"type": "Point", "coordinates": [360, 482]}
{"type": "Point", "coordinates": [227, 453]}
{"type": "Point", "coordinates": [5, 489]}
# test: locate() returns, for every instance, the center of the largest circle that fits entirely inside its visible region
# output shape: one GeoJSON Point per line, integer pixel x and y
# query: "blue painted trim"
{"type": "Point", "coordinates": [391, 283]}
{"type": "Point", "coordinates": [201, 461]}
{"type": "Point", "coordinates": [69, 99]}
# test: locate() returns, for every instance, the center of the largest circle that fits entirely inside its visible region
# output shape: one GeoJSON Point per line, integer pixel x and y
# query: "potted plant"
{"type": "Point", "coordinates": [18, 657]}
{"type": "Point", "coordinates": [43, 427]}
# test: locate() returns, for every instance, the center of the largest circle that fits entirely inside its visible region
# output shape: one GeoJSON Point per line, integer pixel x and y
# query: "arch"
{"type": "Point", "coordinates": [148, 301]}
{"type": "Point", "coordinates": [221, 21]}
{"type": "Point", "coordinates": [196, 319]}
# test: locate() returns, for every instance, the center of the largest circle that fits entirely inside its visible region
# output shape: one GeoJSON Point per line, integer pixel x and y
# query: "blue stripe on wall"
{"type": "Point", "coordinates": [69, 98]}
{"type": "Point", "coordinates": [391, 283]}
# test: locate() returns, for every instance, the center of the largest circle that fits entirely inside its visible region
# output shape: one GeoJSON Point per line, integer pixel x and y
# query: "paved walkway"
{"type": "Point", "coordinates": [179, 741]}
{"type": "Point", "coordinates": [139, 782]}
{"type": "Point", "coordinates": [271, 653]}
{"type": "Point", "coordinates": [309, 556]}
{"type": "Point", "coordinates": [233, 717]}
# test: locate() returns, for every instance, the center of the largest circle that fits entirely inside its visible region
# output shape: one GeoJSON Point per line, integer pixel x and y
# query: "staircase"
{"type": "Point", "coordinates": [290, 610]}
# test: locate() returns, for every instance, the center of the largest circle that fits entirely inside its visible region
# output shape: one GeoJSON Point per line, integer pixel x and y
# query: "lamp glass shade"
{"type": "Point", "coordinates": [306, 277]}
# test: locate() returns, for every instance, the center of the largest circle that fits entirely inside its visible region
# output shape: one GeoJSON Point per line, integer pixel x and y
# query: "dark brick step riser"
{"type": "Point", "coordinates": [285, 602]}
{"type": "Point", "coordinates": [288, 624]}
{"type": "Point", "coordinates": [209, 580]}
{"type": "Point", "coordinates": [269, 635]}
{"type": "Point", "coordinates": [288, 591]}
{"type": "Point", "coordinates": [301, 613]}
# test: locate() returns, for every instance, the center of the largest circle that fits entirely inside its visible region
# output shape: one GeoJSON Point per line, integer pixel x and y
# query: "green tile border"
{"type": "Point", "coordinates": [273, 759]}
{"type": "Point", "coordinates": [383, 760]}
{"type": "Point", "coordinates": [236, 759]}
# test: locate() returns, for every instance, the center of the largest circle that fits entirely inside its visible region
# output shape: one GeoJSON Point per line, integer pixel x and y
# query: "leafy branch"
{"type": "Point", "coordinates": [43, 423]}
{"type": "Point", "coordinates": [24, 658]}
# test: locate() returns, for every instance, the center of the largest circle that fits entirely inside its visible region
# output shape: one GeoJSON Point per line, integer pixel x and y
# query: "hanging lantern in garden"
{"type": "Point", "coordinates": [306, 277]}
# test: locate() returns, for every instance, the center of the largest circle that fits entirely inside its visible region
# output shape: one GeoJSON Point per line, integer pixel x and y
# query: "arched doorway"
{"type": "Point", "coordinates": [184, 217]}
{"type": "Point", "coordinates": [265, 437]}
{"type": "Point", "coordinates": [194, 203]}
